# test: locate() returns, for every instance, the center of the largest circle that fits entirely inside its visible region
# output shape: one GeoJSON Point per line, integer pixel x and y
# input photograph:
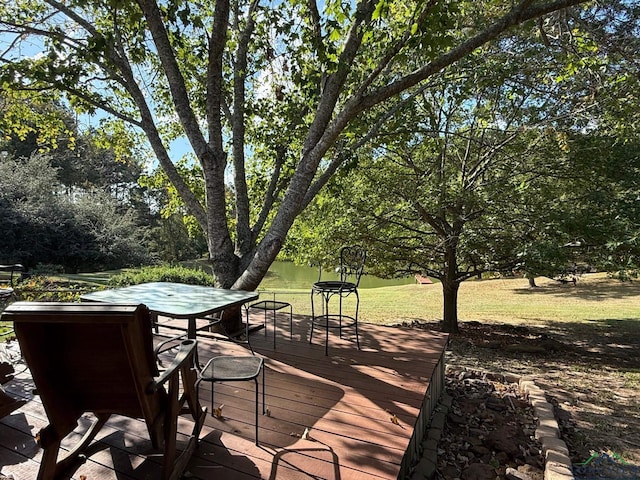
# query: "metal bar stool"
{"type": "Point", "coordinates": [234, 369]}
{"type": "Point", "coordinates": [274, 306]}
{"type": "Point", "coordinates": [351, 268]}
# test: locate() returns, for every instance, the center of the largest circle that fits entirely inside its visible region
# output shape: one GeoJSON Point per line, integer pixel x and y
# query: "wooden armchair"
{"type": "Point", "coordinates": [99, 358]}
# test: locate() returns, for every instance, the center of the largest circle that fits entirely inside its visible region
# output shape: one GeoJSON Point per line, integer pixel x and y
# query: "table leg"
{"type": "Point", "coordinates": [191, 333]}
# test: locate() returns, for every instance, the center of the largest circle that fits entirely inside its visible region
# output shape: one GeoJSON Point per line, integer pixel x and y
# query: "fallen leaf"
{"type": "Point", "coordinates": [217, 412]}
{"type": "Point", "coordinates": [305, 435]}
{"type": "Point", "coordinates": [394, 420]}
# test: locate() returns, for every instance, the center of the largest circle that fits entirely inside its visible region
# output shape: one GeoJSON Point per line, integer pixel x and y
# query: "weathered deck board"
{"type": "Point", "coordinates": [346, 401]}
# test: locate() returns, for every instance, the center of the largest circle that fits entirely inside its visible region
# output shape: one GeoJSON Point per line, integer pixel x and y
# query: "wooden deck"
{"type": "Point", "coordinates": [364, 412]}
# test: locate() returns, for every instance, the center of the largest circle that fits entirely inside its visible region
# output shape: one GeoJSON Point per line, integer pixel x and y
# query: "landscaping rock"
{"type": "Point", "coordinates": [479, 471]}
{"type": "Point", "coordinates": [489, 430]}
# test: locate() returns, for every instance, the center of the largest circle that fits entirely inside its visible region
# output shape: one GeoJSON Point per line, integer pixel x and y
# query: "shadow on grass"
{"type": "Point", "coordinates": [590, 372]}
{"type": "Point", "coordinates": [608, 343]}
{"type": "Point", "coordinates": [594, 290]}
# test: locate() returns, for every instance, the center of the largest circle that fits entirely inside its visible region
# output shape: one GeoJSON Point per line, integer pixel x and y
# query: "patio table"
{"type": "Point", "coordinates": [176, 300]}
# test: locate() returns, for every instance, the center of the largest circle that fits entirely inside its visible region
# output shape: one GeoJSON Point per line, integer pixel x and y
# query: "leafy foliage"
{"type": "Point", "coordinates": [162, 273]}
{"type": "Point", "coordinates": [21, 120]}
{"type": "Point", "coordinates": [39, 288]}
{"type": "Point", "coordinates": [171, 240]}
{"type": "Point", "coordinates": [490, 168]}
{"type": "Point", "coordinates": [42, 224]}
{"type": "Point", "coordinates": [284, 94]}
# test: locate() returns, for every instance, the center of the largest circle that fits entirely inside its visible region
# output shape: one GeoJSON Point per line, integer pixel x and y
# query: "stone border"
{"type": "Point", "coordinates": [557, 464]}
{"type": "Point", "coordinates": [428, 463]}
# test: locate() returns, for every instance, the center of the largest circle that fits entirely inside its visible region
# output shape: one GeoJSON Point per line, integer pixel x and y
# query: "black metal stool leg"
{"type": "Point", "coordinates": [326, 325]}
{"type": "Point", "coordinates": [256, 382]}
{"type": "Point", "coordinates": [313, 318]}
{"type": "Point", "coordinates": [213, 405]}
{"type": "Point", "coordinates": [356, 319]}
{"type": "Point", "coordinates": [340, 317]}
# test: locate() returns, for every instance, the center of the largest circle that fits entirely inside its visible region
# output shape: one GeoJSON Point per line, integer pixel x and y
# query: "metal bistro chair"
{"type": "Point", "coordinates": [352, 260]}
{"type": "Point", "coordinates": [235, 368]}
{"type": "Point", "coordinates": [7, 294]}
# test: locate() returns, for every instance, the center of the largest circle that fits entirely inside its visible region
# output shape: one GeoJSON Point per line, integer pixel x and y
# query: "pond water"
{"type": "Point", "coordinates": [287, 275]}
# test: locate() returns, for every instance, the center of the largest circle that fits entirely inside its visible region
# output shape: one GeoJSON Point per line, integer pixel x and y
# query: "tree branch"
{"type": "Point", "coordinates": [245, 238]}
{"type": "Point", "coordinates": [175, 79]}
{"type": "Point", "coordinates": [271, 194]}
{"type": "Point", "coordinates": [514, 17]}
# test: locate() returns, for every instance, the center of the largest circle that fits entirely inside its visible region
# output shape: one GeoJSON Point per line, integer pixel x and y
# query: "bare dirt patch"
{"type": "Point", "coordinates": [590, 372]}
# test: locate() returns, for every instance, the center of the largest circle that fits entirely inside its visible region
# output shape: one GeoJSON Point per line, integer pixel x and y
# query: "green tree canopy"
{"type": "Point", "coordinates": [280, 93]}
{"type": "Point", "coordinates": [491, 167]}
{"type": "Point", "coordinates": [43, 225]}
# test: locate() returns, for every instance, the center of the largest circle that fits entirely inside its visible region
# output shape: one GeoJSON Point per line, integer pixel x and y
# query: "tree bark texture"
{"type": "Point", "coordinates": [450, 309]}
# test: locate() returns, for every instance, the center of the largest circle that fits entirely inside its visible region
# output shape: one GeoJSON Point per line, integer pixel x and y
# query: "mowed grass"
{"type": "Point", "coordinates": [595, 298]}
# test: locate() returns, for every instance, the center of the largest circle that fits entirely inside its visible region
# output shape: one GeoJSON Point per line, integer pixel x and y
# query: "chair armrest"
{"type": "Point", "coordinates": [184, 355]}
{"type": "Point", "coordinates": [162, 346]}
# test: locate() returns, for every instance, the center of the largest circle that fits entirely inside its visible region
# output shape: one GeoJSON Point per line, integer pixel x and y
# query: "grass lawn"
{"type": "Point", "coordinates": [595, 299]}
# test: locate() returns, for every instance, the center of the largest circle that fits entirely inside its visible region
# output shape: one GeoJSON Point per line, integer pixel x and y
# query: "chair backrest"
{"type": "Point", "coordinates": [13, 269]}
{"type": "Point", "coordinates": [88, 357]}
{"type": "Point", "coordinates": [352, 260]}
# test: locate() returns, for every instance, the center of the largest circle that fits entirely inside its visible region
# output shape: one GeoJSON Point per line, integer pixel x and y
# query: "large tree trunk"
{"type": "Point", "coordinates": [450, 309]}
{"type": "Point", "coordinates": [450, 282]}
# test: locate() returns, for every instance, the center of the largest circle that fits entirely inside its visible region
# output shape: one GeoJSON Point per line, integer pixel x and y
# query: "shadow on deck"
{"type": "Point", "coordinates": [349, 415]}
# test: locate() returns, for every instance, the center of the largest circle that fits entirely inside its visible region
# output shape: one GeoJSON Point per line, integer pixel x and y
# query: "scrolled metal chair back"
{"type": "Point", "coordinates": [352, 259]}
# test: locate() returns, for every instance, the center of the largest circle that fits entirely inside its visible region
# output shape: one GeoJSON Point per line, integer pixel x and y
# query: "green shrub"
{"type": "Point", "coordinates": [38, 288]}
{"type": "Point", "coordinates": [6, 331]}
{"type": "Point", "coordinates": [176, 274]}
{"type": "Point", "coordinates": [44, 269]}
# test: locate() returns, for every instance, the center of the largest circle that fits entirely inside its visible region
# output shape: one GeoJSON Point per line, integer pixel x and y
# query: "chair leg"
{"type": "Point", "coordinates": [263, 399]}
{"type": "Point", "coordinates": [313, 318]}
{"type": "Point", "coordinates": [264, 408]}
{"type": "Point", "coordinates": [356, 318]}
{"type": "Point", "coordinates": [175, 462]}
{"type": "Point", "coordinates": [340, 317]}
{"type": "Point", "coordinates": [170, 427]}
{"type": "Point", "coordinates": [265, 322]}
{"type": "Point", "coordinates": [255, 380]}
{"type": "Point", "coordinates": [50, 467]}
{"type": "Point", "coordinates": [326, 326]}
{"type": "Point", "coordinates": [274, 327]}
{"type": "Point", "coordinates": [48, 462]}
{"type": "Point", "coordinates": [213, 405]}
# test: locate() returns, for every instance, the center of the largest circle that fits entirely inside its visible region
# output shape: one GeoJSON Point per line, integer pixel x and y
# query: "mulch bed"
{"type": "Point", "coordinates": [589, 375]}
